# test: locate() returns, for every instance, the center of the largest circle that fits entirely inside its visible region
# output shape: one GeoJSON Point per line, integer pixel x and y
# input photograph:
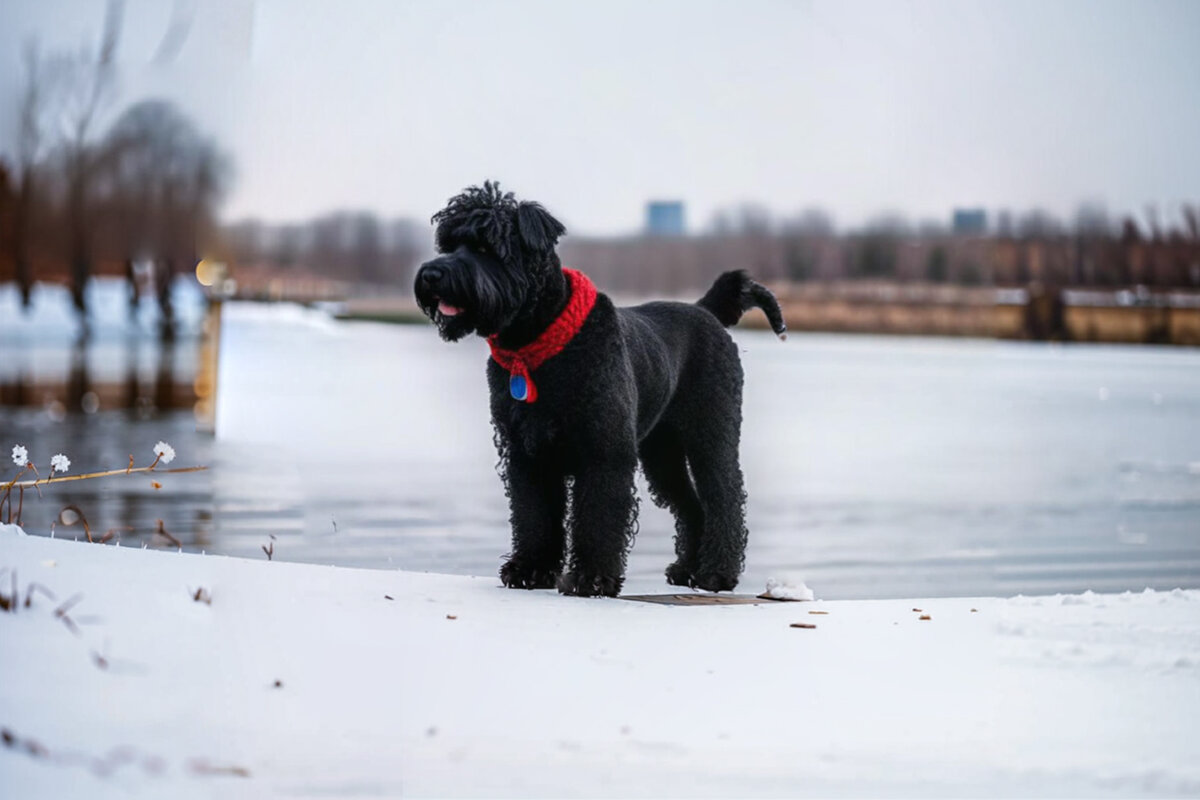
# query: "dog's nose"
{"type": "Point", "coordinates": [431, 275]}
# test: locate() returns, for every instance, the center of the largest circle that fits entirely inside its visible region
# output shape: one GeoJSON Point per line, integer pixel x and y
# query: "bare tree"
{"type": "Point", "coordinates": [1191, 219]}
{"type": "Point", "coordinates": [32, 135]}
{"type": "Point", "coordinates": [87, 79]}
{"type": "Point", "coordinates": [1153, 223]}
{"type": "Point", "coordinates": [166, 178]}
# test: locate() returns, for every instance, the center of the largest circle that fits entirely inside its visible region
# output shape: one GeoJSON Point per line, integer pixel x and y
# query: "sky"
{"type": "Point", "coordinates": [861, 108]}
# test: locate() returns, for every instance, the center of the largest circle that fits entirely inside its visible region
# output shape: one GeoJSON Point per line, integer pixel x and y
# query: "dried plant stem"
{"type": "Point", "coordinates": [162, 531]}
{"type": "Point", "coordinates": [8, 487]}
{"type": "Point", "coordinates": [13, 482]}
{"type": "Point", "coordinates": [79, 512]}
{"type": "Point", "coordinates": [105, 474]}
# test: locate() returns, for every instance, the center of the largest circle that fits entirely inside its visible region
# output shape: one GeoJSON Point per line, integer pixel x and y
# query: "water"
{"type": "Point", "coordinates": [876, 467]}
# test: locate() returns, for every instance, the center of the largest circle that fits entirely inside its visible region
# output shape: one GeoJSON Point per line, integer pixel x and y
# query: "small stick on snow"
{"type": "Point", "coordinates": [61, 612]}
{"type": "Point", "coordinates": [29, 593]}
{"type": "Point", "coordinates": [68, 604]}
{"type": "Point", "coordinates": [10, 603]}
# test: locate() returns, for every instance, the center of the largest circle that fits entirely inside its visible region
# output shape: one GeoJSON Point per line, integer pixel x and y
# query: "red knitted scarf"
{"type": "Point", "coordinates": [522, 362]}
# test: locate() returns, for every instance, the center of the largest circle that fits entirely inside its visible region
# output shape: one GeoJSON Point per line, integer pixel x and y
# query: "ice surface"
{"type": "Point", "coordinates": [876, 466]}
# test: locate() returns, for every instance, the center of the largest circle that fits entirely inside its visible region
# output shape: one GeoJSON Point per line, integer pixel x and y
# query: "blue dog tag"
{"type": "Point", "coordinates": [517, 387]}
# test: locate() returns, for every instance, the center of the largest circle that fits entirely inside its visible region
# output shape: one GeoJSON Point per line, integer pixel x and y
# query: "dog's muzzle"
{"type": "Point", "coordinates": [431, 280]}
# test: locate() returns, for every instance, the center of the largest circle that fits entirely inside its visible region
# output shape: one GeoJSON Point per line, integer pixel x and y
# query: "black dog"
{"type": "Point", "coordinates": [582, 390]}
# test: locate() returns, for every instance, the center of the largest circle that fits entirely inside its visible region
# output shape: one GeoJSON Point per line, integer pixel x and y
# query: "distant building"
{"type": "Point", "coordinates": [664, 218]}
{"type": "Point", "coordinates": [970, 222]}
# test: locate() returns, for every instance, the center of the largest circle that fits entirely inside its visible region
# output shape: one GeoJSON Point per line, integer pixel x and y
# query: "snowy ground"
{"type": "Point", "coordinates": [308, 681]}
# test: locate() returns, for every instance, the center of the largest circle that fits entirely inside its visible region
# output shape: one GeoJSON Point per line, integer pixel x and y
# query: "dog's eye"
{"type": "Point", "coordinates": [478, 248]}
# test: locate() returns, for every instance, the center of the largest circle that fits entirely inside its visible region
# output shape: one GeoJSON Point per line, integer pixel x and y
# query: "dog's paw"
{"type": "Point", "coordinates": [517, 575]}
{"type": "Point", "coordinates": [679, 574]}
{"type": "Point", "coordinates": [714, 582]}
{"type": "Point", "coordinates": [589, 585]}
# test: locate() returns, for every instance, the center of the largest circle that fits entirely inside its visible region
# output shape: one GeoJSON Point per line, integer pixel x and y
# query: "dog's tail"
{"type": "Point", "coordinates": [734, 294]}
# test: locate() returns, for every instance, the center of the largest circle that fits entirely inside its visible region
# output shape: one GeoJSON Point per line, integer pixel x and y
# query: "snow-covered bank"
{"type": "Point", "coordinates": [300, 680]}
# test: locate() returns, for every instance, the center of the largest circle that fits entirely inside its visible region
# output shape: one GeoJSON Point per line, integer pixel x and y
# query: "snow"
{"type": "Point", "coordinates": [787, 587]}
{"type": "Point", "coordinates": [292, 680]}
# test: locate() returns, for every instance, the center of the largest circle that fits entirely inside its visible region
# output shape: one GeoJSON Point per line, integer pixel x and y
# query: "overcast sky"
{"type": "Point", "coordinates": [595, 107]}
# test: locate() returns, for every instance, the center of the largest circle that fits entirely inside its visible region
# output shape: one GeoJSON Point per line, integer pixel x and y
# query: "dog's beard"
{"type": "Point", "coordinates": [469, 298]}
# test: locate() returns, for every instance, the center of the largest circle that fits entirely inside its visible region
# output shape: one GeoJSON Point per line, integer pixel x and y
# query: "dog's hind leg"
{"type": "Point", "coordinates": [713, 457]}
{"type": "Point", "coordinates": [603, 515]}
{"type": "Point", "coordinates": [665, 466]}
{"type": "Point", "coordinates": [537, 499]}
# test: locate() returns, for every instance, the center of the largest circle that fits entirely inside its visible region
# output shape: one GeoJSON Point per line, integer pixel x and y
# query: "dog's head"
{"type": "Point", "coordinates": [496, 255]}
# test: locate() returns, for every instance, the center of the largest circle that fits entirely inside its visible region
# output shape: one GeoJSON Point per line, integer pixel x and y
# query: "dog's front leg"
{"type": "Point", "coordinates": [537, 500]}
{"type": "Point", "coordinates": [603, 513]}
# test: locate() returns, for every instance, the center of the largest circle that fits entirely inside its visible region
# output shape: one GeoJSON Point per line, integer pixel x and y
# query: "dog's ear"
{"type": "Point", "coordinates": [537, 231]}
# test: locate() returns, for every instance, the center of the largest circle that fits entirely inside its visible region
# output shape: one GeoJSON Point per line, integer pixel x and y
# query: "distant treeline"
{"type": "Point", "coordinates": [1093, 250]}
{"type": "Point", "coordinates": [350, 246]}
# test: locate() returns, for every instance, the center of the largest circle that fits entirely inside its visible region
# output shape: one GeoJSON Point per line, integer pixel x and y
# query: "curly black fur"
{"type": "Point", "coordinates": [658, 384]}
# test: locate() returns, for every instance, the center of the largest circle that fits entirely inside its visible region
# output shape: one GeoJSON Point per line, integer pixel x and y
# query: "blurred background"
{"type": "Point", "coordinates": [982, 219]}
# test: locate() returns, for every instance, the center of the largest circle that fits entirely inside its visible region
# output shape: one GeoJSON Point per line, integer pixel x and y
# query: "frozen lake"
{"type": "Point", "coordinates": [876, 467]}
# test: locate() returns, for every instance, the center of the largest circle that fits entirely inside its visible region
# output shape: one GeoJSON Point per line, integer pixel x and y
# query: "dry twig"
{"type": "Point", "coordinates": [75, 515]}
{"type": "Point", "coordinates": [162, 531]}
{"type": "Point", "coordinates": [106, 473]}
{"type": "Point", "coordinates": [201, 767]}
{"type": "Point", "coordinates": [61, 612]}
{"type": "Point", "coordinates": [30, 589]}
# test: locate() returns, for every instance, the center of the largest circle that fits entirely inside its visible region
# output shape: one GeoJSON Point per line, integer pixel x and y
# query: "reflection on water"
{"type": "Point", "coordinates": [131, 506]}
{"type": "Point", "coordinates": [81, 390]}
{"type": "Point", "coordinates": [876, 467]}
{"type": "Point", "coordinates": [100, 395]}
